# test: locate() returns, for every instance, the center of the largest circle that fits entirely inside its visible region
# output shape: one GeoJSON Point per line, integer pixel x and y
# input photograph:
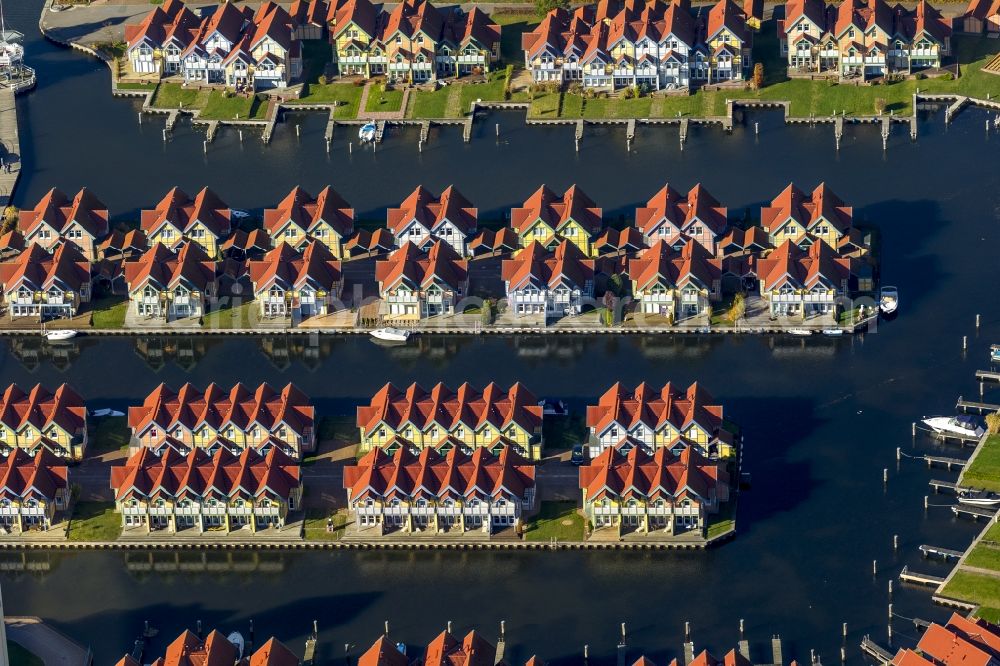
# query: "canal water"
{"type": "Point", "coordinates": [822, 417]}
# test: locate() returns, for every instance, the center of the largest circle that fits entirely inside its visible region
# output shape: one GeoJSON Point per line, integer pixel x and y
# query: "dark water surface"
{"type": "Point", "coordinates": [822, 417]}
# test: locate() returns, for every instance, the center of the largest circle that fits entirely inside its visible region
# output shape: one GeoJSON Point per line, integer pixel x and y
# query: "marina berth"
{"type": "Point", "coordinates": [43, 420]}
{"type": "Point", "coordinates": [442, 419]}
{"type": "Point", "coordinates": [215, 419]}
{"type": "Point", "coordinates": [454, 493]}
{"type": "Point", "coordinates": [202, 492]}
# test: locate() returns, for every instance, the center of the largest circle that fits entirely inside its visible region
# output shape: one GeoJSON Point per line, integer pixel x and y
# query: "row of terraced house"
{"type": "Point", "coordinates": [655, 44]}
{"type": "Point", "coordinates": [681, 255]}
{"type": "Point", "coordinates": [444, 460]}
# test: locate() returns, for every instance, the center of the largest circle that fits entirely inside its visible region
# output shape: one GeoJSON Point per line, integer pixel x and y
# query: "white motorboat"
{"type": "Point", "coordinates": [60, 335]}
{"type": "Point", "coordinates": [367, 132]}
{"type": "Point", "coordinates": [236, 638]}
{"type": "Point", "coordinates": [833, 331]}
{"type": "Point", "coordinates": [963, 425]}
{"type": "Point", "coordinates": [888, 300]}
{"type": "Point", "coordinates": [106, 412]}
{"type": "Point", "coordinates": [799, 331]}
{"type": "Point", "coordinates": [390, 334]}
{"type": "Point", "coordinates": [979, 498]}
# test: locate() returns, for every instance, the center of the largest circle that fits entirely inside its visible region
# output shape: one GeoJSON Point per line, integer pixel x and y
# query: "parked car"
{"type": "Point", "coordinates": [579, 454]}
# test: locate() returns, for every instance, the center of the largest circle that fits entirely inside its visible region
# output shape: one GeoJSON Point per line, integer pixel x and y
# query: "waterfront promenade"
{"type": "Point", "coordinates": [10, 145]}
{"type": "Point", "coordinates": [49, 645]}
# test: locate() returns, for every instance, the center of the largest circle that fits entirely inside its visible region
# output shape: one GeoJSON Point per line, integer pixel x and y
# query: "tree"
{"type": "Point", "coordinates": [993, 423]}
{"type": "Point", "coordinates": [758, 76]}
{"type": "Point", "coordinates": [880, 105]}
{"type": "Point", "coordinates": [738, 308]}
{"type": "Point", "coordinates": [10, 215]}
{"type": "Point", "coordinates": [543, 7]}
{"type": "Point", "coordinates": [616, 284]}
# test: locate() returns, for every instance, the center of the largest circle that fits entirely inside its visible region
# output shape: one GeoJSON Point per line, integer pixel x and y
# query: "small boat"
{"type": "Point", "coordinates": [995, 353]}
{"type": "Point", "coordinates": [367, 132]}
{"type": "Point", "coordinates": [60, 335]}
{"type": "Point", "coordinates": [106, 412]}
{"type": "Point", "coordinates": [888, 300]}
{"type": "Point", "coordinates": [236, 638]}
{"type": "Point", "coordinates": [799, 331]}
{"type": "Point", "coordinates": [833, 331]}
{"type": "Point", "coordinates": [239, 214]}
{"type": "Point", "coordinates": [391, 334]}
{"type": "Point", "coordinates": [964, 425]}
{"type": "Point", "coordinates": [979, 498]}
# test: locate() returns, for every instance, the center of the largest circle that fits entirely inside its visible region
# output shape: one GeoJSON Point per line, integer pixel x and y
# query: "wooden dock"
{"type": "Point", "coordinates": [967, 406]}
{"type": "Point", "coordinates": [987, 376]}
{"type": "Point", "coordinates": [331, 123]}
{"type": "Point", "coordinates": [938, 485]}
{"type": "Point", "coordinates": [938, 551]}
{"type": "Point", "coordinates": [975, 512]}
{"type": "Point", "coordinates": [467, 127]}
{"type": "Point", "coordinates": [946, 461]}
{"type": "Point", "coordinates": [425, 131]}
{"type": "Point", "coordinates": [10, 145]}
{"type": "Point", "coordinates": [954, 437]}
{"type": "Point", "coordinates": [875, 651]}
{"type": "Point", "coordinates": [908, 576]}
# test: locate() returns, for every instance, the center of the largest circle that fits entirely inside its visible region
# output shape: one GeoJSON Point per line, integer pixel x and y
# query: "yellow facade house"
{"type": "Point", "coordinates": [300, 219]}
{"type": "Point", "coordinates": [178, 219]}
{"type": "Point", "coordinates": [43, 420]}
{"type": "Point", "coordinates": [548, 219]}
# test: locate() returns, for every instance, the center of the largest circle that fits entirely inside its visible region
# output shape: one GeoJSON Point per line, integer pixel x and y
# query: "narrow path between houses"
{"type": "Point", "coordinates": [453, 106]}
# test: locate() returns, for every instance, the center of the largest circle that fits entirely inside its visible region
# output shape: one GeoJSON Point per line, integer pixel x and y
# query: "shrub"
{"type": "Point", "coordinates": [322, 80]}
{"type": "Point", "coordinates": [993, 423]}
{"type": "Point", "coordinates": [880, 105]}
{"type": "Point", "coordinates": [947, 76]}
{"type": "Point", "coordinates": [758, 76]}
{"type": "Point", "coordinates": [628, 93]}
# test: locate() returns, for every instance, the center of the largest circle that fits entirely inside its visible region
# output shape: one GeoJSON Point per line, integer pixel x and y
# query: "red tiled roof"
{"type": "Point", "coordinates": [163, 268]}
{"type": "Point", "coordinates": [670, 206]}
{"type": "Point", "coordinates": [217, 408]}
{"type": "Point", "coordinates": [307, 213]}
{"type": "Point", "coordinates": [655, 408]}
{"type": "Point", "coordinates": [466, 406]}
{"type": "Point", "coordinates": [181, 212]}
{"type": "Point", "coordinates": [535, 265]}
{"type": "Point", "coordinates": [788, 263]}
{"type": "Point", "coordinates": [38, 270]}
{"type": "Point", "coordinates": [283, 265]}
{"type": "Point", "coordinates": [727, 14]}
{"type": "Point", "coordinates": [661, 263]}
{"type": "Point", "coordinates": [473, 650]}
{"type": "Point", "coordinates": [172, 19]}
{"type": "Point", "coordinates": [223, 474]}
{"type": "Point", "coordinates": [117, 241]}
{"type": "Point", "coordinates": [557, 210]}
{"type": "Point", "coordinates": [23, 475]}
{"type": "Point", "coordinates": [408, 264]}
{"type": "Point", "coordinates": [432, 474]}
{"type": "Point", "coordinates": [383, 653]}
{"type": "Point", "coordinates": [359, 12]}
{"type": "Point", "coordinates": [983, 9]}
{"type": "Point", "coordinates": [661, 475]}
{"type": "Point", "coordinates": [489, 240]}
{"type": "Point", "coordinates": [59, 213]}
{"type": "Point", "coordinates": [794, 204]}
{"type": "Point", "coordinates": [309, 12]}
{"type": "Point", "coordinates": [273, 653]}
{"type": "Point", "coordinates": [948, 648]}
{"type": "Point", "coordinates": [978, 631]}
{"type": "Point", "coordinates": [430, 211]}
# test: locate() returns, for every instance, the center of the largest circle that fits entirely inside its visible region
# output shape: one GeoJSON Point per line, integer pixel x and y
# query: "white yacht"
{"type": "Point", "coordinates": [390, 334]}
{"type": "Point", "coordinates": [963, 425]}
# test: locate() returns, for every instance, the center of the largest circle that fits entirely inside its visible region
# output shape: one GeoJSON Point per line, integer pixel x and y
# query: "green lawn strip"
{"type": "Point", "coordinates": [974, 588]}
{"type": "Point", "coordinates": [173, 96]}
{"type": "Point", "coordinates": [346, 96]}
{"type": "Point", "coordinates": [315, 525]}
{"type": "Point", "coordinates": [108, 312]}
{"type": "Point", "coordinates": [430, 103]}
{"type": "Point", "coordinates": [240, 316]}
{"type": "Point", "coordinates": [545, 106]}
{"type": "Point", "coordinates": [617, 107]}
{"type": "Point", "coordinates": [111, 433]}
{"type": "Point", "coordinates": [220, 106]}
{"type": "Point", "coordinates": [722, 522]}
{"type": "Point", "coordinates": [559, 520]}
{"type": "Point", "coordinates": [492, 91]}
{"type": "Point", "coordinates": [984, 557]}
{"type": "Point", "coordinates": [94, 521]}
{"type": "Point", "coordinates": [136, 86]}
{"type": "Point", "coordinates": [991, 615]}
{"type": "Point", "coordinates": [984, 471]}
{"type": "Point", "coordinates": [20, 656]}
{"type": "Point", "coordinates": [381, 99]}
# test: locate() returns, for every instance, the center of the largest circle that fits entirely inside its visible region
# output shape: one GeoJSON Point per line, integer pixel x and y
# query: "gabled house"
{"type": "Point", "coordinates": [154, 45]}
{"type": "Point", "coordinates": [805, 283]}
{"type": "Point", "coordinates": [42, 420]}
{"type": "Point", "coordinates": [32, 489]}
{"type": "Point", "coordinates": [124, 245]}
{"type": "Point", "coordinates": [353, 27]}
{"type": "Point", "coordinates": [287, 283]}
{"type": "Point", "coordinates": [675, 285]}
{"type": "Point", "coordinates": [729, 42]}
{"type": "Point", "coordinates": [179, 219]}
{"type": "Point", "coordinates": [445, 493]}
{"type": "Point", "coordinates": [808, 218]}
{"type": "Point", "coordinates": [960, 640]}
{"type": "Point", "coordinates": [806, 36]}
{"type": "Point", "coordinates": [645, 495]}
{"type": "Point", "coordinates": [215, 419]}
{"type": "Point", "coordinates": [300, 219]}
{"type": "Point", "coordinates": [190, 649]}
{"type": "Point", "coordinates": [46, 286]}
{"type": "Point", "coordinates": [414, 285]}
{"type": "Point", "coordinates": [443, 419]}
{"type": "Point", "coordinates": [166, 285]}
{"type": "Point", "coordinates": [201, 492]}
{"type": "Point", "coordinates": [651, 419]}
{"type": "Point", "coordinates": [309, 18]}
{"type": "Point", "coordinates": [677, 219]}
{"type": "Point", "coordinates": [862, 30]}
{"type": "Point", "coordinates": [548, 218]}
{"type": "Point", "coordinates": [423, 218]}
{"type": "Point", "coordinates": [551, 284]}
{"type": "Point", "coordinates": [980, 17]}
{"type": "Point", "coordinates": [56, 220]}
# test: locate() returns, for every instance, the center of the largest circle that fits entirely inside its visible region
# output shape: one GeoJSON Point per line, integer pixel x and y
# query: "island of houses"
{"type": "Point", "coordinates": [445, 464]}
{"type": "Point", "coordinates": [556, 260]}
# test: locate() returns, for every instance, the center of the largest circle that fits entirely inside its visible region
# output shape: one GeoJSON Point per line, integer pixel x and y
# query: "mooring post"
{"type": "Point", "coordinates": [874, 567]}
{"type": "Point", "coordinates": [895, 542]}
{"type": "Point", "coordinates": [298, 130]}
{"type": "Point", "coordinates": [965, 342]}
{"type": "Point", "coordinates": [164, 134]}
{"type": "Point", "coordinates": [977, 321]}
{"type": "Point", "coordinates": [741, 629]}
{"type": "Point", "coordinates": [498, 130]}
{"type": "Point", "coordinates": [914, 428]}
{"type": "Point", "coordinates": [899, 454]}
{"type": "Point", "coordinates": [387, 627]}
{"type": "Point", "coordinates": [885, 475]}
{"type": "Point", "coordinates": [890, 589]}
{"type": "Point", "coordinates": [926, 505]}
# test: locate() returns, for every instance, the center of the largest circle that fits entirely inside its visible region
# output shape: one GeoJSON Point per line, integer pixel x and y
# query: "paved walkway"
{"type": "Point", "coordinates": [10, 145]}
{"type": "Point", "coordinates": [49, 645]}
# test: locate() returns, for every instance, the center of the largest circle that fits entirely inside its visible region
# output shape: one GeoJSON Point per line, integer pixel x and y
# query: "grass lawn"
{"type": "Point", "coordinates": [721, 522]}
{"type": "Point", "coordinates": [240, 316]}
{"type": "Point", "coordinates": [984, 557]}
{"type": "Point", "coordinates": [314, 528]}
{"type": "Point", "coordinates": [430, 103]}
{"type": "Point", "coordinates": [20, 656]}
{"type": "Point", "coordinates": [172, 96]}
{"type": "Point", "coordinates": [108, 312]}
{"type": "Point", "coordinates": [989, 614]}
{"type": "Point", "coordinates": [137, 86]}
{"type": "Point", "coordinates": [558, 520]}
{"type": "Point", "coordinates": [984, 472]}
{"type": "Point", "coordinates": [95, 521]}
{"type": "Point", "coordinates": [546, 106]}
{"type": "Point", "coordinates": [381, 99]}
{"type": "Point", "coordinates": [974, 588]}
{"type": "Point", "coordinates": [346, 96]}
{"type": "Point", "coordinates": [492, 91]}
{"type": "Point", "coordinates": [220, 107]}
{"type": "Point", "coordinates": [111, 433]}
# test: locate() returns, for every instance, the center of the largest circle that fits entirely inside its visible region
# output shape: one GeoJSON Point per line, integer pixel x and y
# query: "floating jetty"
{"type": "Point", "coordinates": [908, 576]}
{"type": "Point", "coordinates": [987, 376]}
{"type": "Point", "coordinates": [946, 461]}
{"type": "Point", "coordinates": [938, 551]}
{"type": "Point", "coordinates": [875, 651]}
{"type": "Point", "coordinates": [967, 406]}
{"type": "Point", "coordinates": [973, 511]}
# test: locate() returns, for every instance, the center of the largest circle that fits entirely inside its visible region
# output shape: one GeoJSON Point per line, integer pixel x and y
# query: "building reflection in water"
{"type": "Point", "coordinates": [29, 561]}
{"type": "Point", "coordinates": [193, 561]}
{"type": "Point", "coordinates": [184, 351]}
{"type": "Point", "coordinates": [34, 351]}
